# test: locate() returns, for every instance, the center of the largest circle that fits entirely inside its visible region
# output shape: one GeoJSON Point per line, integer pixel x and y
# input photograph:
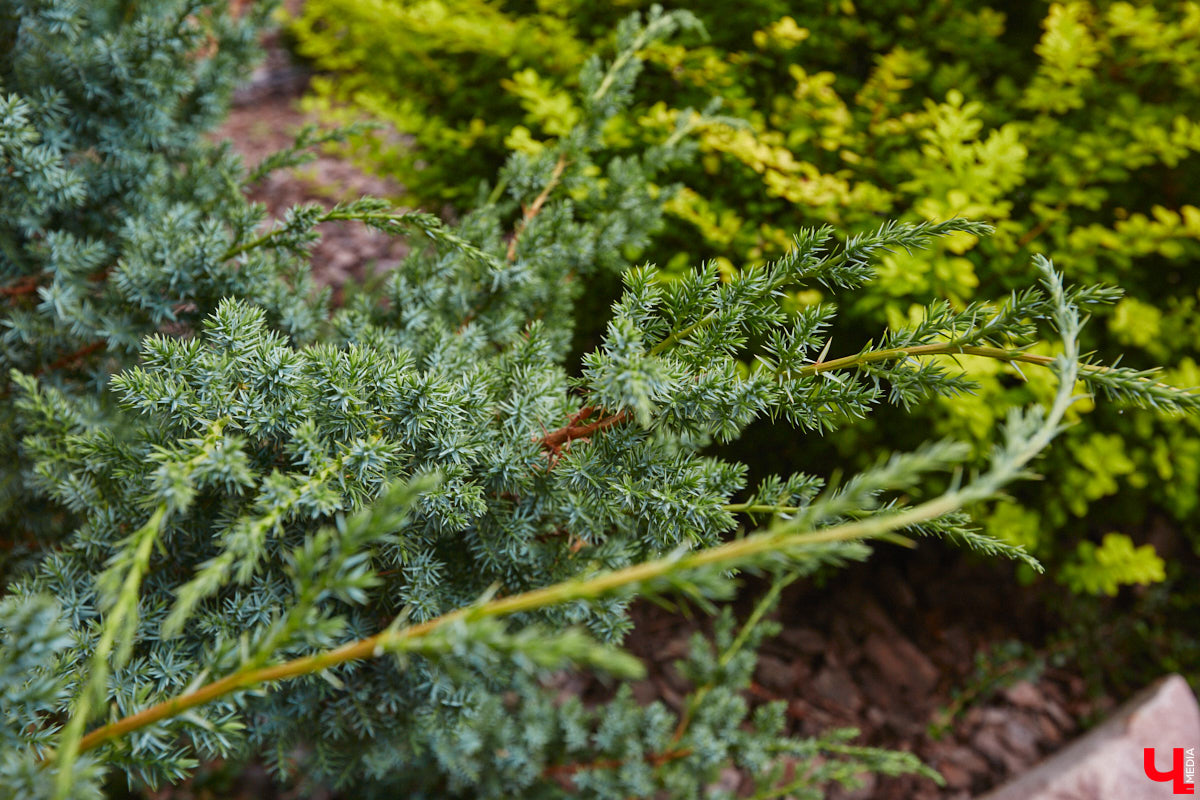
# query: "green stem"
{"type": "Point", "coordinates": [678, 336]}
{"type": "Point", "coordinates": [939, 348]}
{"type": "Point", "coordinates": [764, 604]}
{"type": "Point", "coordinates": [759, 508]}
{"type": "Point", "coordinates": [557, 594]}
{"type": "Point", "coordinates": [333, 215]}
{"type": "Point", "coordinates": [643, 37]}
{"type": "Point", "coordinates": [72, 739]}
{"type": "Point", "coordinates": [617, 63]}
{"type": "Point", "coordinates": [120, 620]}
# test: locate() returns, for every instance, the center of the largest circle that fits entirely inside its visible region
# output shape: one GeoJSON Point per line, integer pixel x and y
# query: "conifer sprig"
{"type": "Point", "coordinates": [605, 91]}
{"type": "Point", "coordinates": [309, 139]}
{"type": "Point", "coordinates": [682, 341]}
{"type": "Point", "coordinates": [297, 231]}
{"type": "Point", "coordinates": [119, 590]}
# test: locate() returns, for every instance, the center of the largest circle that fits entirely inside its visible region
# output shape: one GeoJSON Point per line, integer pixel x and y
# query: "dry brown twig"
{"type": "Point", "coordinates": [536, 206]}
{"type": "Point", "coordinates": [556, 441]}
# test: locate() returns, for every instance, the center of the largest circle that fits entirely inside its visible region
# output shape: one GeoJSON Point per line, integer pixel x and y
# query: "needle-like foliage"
{"type": "Point", "coordinates": [357, 545]}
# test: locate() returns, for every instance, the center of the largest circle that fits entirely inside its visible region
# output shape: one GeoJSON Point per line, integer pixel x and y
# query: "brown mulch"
{"type": "Point", "coordinates": [265, 119]}
{"type": "Point", "coordinates": [889, 647]}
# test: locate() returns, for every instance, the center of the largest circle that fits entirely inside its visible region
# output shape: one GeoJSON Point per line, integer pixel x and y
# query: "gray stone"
{"type": "Point", "coordinates": [1107, 763]}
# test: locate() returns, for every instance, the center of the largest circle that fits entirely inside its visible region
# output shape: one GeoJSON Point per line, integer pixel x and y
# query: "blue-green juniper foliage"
{"type": "Point", "coordinates": [212, 482]}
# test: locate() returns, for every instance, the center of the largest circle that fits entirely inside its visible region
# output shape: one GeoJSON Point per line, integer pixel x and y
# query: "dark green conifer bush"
{"type": "Point", "coordinates": [356, 544]}
{"type": "Point", "coordinates": [1069, 126]}
{"type": "Point", "coordinates": [113, 210]}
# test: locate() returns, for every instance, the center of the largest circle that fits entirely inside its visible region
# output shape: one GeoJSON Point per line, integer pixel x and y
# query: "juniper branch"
{"type": "Point", "coordinates": [119, 622]}
{"type": "Point", "coordinates": [295, 233]}
{"type": "Point", "coordinates": [536, 205]}
{"type": "Point", "coordinates": [119, 587]}
{"type": "Point", "coordinates": [764, 604]}
{"type": "Point", "coordinates": [303, 149]}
